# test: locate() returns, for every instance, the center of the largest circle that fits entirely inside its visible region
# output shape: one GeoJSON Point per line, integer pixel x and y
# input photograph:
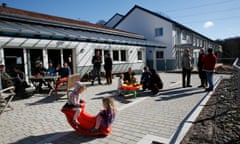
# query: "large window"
{"type": "Point", "coordinates": [115, 55]}
{"type": "Point", "coordinates": [159, 32]}
{"type": "Point", "coordinates": [159, 55]}
{"type": "Point", "coordinates": [119, 55]}
{"type": "Point", "coordinates": [123, 55]}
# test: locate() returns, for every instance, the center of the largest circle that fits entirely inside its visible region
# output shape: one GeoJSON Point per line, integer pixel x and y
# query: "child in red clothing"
{"type": "Point", "coordinates": [106, 116]}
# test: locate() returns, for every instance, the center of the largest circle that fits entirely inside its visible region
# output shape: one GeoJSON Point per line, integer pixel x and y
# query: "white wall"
{"type": "Point", "coordinates": [143, 23]}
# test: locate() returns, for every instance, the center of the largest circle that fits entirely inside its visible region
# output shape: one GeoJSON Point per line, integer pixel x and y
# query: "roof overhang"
{"type": "Point", "coordinates": [38, 32]}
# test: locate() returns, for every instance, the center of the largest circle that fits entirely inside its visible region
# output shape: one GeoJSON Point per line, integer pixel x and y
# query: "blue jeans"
{"type": "Point", "coordinates": [210, 79]}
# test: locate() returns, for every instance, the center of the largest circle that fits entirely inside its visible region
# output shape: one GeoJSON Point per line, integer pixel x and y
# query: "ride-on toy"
{"type": "Point", "coordinates": [86, 120]}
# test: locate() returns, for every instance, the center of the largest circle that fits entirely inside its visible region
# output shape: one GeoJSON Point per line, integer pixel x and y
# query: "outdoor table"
{"type": "Point", "coordinates": [48, 79]}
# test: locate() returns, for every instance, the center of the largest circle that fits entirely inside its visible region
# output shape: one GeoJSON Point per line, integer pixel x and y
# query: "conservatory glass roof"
{"type": "Point", "coordinates": [35, 35]}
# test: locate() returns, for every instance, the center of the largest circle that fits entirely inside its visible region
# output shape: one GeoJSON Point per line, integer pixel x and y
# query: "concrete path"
{"type": "Point", "coordinates": [147, 118]}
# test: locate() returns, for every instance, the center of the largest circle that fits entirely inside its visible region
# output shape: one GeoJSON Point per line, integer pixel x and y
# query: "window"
{"type": "Point", "coordinates": [123, 55]}
{"type": "Point", "coordinates": [139, 55]}
{"type": "Point", "coordinates": [115, 55]}
{"type": "Point", "coordinates": [184, 35]}
{"type": "Point", "coordinates": [159, 32]}
{"type": "Point", "coordinates": [159, 54]}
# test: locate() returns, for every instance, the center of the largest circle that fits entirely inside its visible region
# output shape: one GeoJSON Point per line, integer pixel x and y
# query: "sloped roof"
{"type": "Point", "coordinates": [116, 15]}
{"type": "Point", "coordinates": [21, 23]}
{"type": "Point", "coordinates": [59, 21]}
{"type": "Point", "coordinates": [162, 17]}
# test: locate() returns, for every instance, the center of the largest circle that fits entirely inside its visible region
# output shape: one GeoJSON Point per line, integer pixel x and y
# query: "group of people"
{"type": "Point", "coordinates": [18, 81]}
{"type": "Point", "coordinates": [97, 61]}
{"type": "Point", "coordinates": [206, 67]}
{"type": "Point", "coordinates": [104, 118]}
{"type": "Point", "coordinates": [63, 72]}
{"type": "Point", "coordinates": [150, 79]}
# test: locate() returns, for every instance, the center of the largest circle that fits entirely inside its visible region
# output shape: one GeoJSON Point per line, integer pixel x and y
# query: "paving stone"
{"type": "Point", "coordinates": [39, 118]}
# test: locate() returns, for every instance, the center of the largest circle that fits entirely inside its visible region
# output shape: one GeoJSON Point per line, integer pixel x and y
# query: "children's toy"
{"type": "Point", "coordinates": [131, 88]}
{"type": "Point", "coordinates": [87, 122]}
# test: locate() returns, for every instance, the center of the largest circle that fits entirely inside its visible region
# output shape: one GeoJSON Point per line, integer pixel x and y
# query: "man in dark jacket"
{"type": "Point", "coordinates": [96, 61]}
{"type": "Point", "coordinates": [108, 68]}
{"type": "Point", "coordinates": [187, 67]}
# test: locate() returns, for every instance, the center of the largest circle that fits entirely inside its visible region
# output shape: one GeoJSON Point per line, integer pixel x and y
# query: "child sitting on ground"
{"type": "Point", "coordinates": [106, 116]}
{"type": "Point", "coordinates": [74, 100]}
{"type": "Point", "coordinates": [120, 83]}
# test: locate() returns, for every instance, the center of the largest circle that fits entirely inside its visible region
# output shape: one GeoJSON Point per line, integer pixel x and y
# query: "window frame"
{"type": "Point", "coordinates": [159, 31]}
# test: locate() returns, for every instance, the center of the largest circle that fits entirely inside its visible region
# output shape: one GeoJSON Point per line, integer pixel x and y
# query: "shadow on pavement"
{"type": "Point", "coordinates": [46, 100]}
{"type": "Point", "coordinates": [178, 93]}
{"type": "Point", "coordinates": [73, 136]}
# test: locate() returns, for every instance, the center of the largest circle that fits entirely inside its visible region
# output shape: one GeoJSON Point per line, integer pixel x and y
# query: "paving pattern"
{"type": "Point", "coordinates": [39, 120]}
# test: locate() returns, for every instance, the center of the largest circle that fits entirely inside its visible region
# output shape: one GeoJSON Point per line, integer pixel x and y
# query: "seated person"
{"type": "Point", "coordinates": [40, 71]}
{"type": "Point", "coordinates": [51, 70]}
{"type": "Point", "coordinates": [145, 78]}
{"type": "Point", "coordinates": [5, 77]}
{"type": "Point", "coordinates": [120, 83]}
{"type": "Point", "coordinates": [20, 83]}
{"type": "Point", "coordinates": [64, 73]}
{"type": "Point", "coordinates": [129, 76]}
{"type": "Point", "coordinates": [155, 82]}
{"type": "Point", "coordinates": [106, 116]}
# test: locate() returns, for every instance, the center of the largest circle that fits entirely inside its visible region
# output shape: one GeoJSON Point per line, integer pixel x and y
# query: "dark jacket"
{"type": "Point", "coordinates": [97, 61]}
{"type": "Point", "coordinates": [108, 63]}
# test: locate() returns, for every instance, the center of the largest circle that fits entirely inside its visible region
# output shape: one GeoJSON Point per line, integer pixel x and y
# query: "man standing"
{"type": "Point", "coordinates": [108, 68]}
{"type": "Point", "coordinates": [209, 62]}
{"type": "Point", "coordinates": [96, 61]}
{"type": "Point", "coordinates": [201, 73]}
{"type": "Point", "coordinates": [187, 67]}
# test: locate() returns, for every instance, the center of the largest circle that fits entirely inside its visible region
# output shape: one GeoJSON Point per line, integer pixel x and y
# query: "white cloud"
{"type": "Point", "coordinates": [208, 24]}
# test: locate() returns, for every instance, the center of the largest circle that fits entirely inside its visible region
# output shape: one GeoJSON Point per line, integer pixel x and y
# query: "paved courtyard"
{"type": "Point", "coordinates": [143, 120]}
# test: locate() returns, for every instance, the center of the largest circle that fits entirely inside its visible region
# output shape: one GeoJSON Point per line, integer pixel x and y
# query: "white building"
{"type": "Point", "coordinates": [172, 35]}
{"type": "Point", "coordinates": [27, 37]}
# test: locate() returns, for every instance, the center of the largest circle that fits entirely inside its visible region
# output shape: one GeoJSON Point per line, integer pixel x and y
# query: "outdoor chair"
{"type": "Point", "coordinates": [6, 96]}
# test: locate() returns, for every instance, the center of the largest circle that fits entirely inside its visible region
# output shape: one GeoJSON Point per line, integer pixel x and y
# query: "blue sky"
{"type": "Point", "coordinates": [216, 19]}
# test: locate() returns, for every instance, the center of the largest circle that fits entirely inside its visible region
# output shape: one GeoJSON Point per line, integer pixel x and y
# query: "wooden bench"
{"type": "Point", "coordinates": [69, 85]}
{"type": "Point", "coordinates": [6, 96]}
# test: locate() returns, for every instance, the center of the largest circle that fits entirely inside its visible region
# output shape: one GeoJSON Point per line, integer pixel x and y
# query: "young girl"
{"type": "Point", "coordinates": [106, 116]}
{"type": "Point", "coordinates": [74, 100]}
{"type": "Point", "coordinates": [120, 83]}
